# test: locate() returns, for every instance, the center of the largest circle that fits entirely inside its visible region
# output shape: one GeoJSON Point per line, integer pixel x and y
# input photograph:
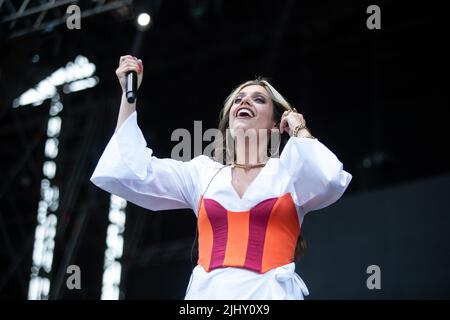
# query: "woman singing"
{"type": "Point", "coordinates": [249, 206]}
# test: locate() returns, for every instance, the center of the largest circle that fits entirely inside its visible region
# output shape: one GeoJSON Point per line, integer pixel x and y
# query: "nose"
{"type": "Point", "coordinates": [245, 100]}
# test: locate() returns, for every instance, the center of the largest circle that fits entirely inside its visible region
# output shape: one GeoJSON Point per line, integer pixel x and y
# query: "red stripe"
{"type": "Point", "coordinates": [217, 215]}
{"type": "Point", "coordinates": [259, 218]}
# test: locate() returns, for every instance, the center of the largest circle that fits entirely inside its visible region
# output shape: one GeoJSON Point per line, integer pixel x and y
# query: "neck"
{"type": "Point", "coordinates": [251, 152]}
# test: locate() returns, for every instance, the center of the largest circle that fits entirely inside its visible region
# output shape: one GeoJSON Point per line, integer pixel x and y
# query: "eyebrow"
{"type": "Point", "coordinates": [253, 93]}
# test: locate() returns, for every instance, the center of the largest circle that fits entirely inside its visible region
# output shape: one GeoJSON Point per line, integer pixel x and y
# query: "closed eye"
{"type": "Point", "coordinates": [257, 99]}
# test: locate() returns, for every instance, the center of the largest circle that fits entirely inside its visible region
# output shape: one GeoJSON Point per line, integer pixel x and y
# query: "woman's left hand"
{"type": "Point", "coordinates": [289, 120]}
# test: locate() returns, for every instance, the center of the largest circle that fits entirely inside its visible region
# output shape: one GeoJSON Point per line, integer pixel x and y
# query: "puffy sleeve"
{"type": "Point", "coordinates": [317, 174]}
{"type": "Point", "coordinates": [128, 169]}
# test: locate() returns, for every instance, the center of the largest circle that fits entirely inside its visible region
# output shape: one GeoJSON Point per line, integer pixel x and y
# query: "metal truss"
{"type": "Point", "coordinates": [22, 17]}
{"type": "Point", "coordinates": [17, 247]}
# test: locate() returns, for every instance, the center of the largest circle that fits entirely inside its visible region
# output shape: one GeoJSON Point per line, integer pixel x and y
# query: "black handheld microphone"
{"type": "Point", "coordinates": [131, 86]}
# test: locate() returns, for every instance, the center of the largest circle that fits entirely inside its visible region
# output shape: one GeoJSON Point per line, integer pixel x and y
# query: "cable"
{"type": "Point", "coordinates": [198, 213]}
{"type": "Point", "coordinates": [196, 227]}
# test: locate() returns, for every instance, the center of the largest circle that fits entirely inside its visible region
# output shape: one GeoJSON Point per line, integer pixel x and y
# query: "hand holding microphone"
{"type": "Point", "coordinates": [130, 73]}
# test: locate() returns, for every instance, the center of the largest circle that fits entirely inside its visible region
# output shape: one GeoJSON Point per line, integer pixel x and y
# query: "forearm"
{"type": "Point", "coordinates": [126, 109]}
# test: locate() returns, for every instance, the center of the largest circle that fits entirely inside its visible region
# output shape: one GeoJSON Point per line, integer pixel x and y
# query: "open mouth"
{"type": "Point", "coordinates": [244, 113]}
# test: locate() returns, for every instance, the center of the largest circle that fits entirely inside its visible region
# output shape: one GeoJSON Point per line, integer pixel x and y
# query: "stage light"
{"type": "Point", "coordinates": [44, 237]}
{"type": "Point", "coordinates": [80, 85]}
{"type": "Point", "coordinates": [49, 169]}
{"type": "Point", "coordinates": [51, 148]}
{"type": "Point", "coordinates": [143, 19]}
{"type": "Point", "coordinates": [55, 108]}
{"type": "Point", "coordinates": [53, 126]}
{"type": "Point", "coordinates": [80, 69]}
{"type": "Point", "coordinates": [114, 248]}
{"type": "Point", "coordinates": [35, 58]}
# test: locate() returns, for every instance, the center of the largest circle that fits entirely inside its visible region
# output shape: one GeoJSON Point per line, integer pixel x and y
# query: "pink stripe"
{"type": "Point", "coordinates": [217, 215]}
{"type": "Point", "coordinates": [259, 218]}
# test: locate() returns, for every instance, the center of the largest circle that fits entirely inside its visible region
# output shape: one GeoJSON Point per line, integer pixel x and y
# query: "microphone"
{"type": "Point", "coordinates": [131, 86]}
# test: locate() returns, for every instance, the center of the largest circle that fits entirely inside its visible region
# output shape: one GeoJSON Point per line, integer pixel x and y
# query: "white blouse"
{"type": "Point", "coordinates": [306, 169]}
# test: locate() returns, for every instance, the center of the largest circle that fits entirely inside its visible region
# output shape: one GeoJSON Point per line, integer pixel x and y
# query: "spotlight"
{"type": "Point", "coordinates": [143, 20]}
{"type": "Point", "coordinates": [35, 58]}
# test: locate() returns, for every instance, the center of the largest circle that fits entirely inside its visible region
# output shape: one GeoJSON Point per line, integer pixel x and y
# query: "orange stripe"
{"type": "Point", "coordinates": [282, 234]}
{"type": "Point", "coordinates": [205, 237]}
{"type": "Point", "coordinates": [237, 241]}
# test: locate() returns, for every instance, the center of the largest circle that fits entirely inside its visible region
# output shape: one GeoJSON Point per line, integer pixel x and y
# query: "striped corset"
{"type": "Point", "coordinates": [259, 239]}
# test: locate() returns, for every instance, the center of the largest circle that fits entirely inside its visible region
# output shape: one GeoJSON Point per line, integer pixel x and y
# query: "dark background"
{"type": "Point", "coordinates": [376, 98]}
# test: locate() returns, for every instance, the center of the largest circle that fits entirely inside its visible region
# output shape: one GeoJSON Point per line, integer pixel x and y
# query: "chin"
{"type": "Point", "coordinates": [242, 126]}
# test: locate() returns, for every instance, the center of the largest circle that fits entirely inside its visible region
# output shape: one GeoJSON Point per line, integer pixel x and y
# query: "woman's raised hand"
{"type": "Point", "coordinates": [126, 64]}
{"type": "Point", "coordinates": [289, 120]}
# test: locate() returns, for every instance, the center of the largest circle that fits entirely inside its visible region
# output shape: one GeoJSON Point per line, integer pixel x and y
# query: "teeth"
{"type": "Point", "coordinates": [245, 112]}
